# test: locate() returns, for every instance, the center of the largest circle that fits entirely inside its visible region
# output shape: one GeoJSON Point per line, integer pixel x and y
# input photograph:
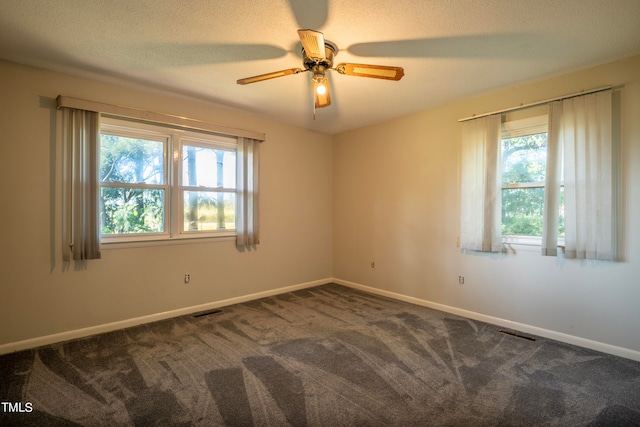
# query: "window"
{"type": "Point", "coordinates": [503, 198]}
{"type": "Point", "coordinates": [523, 169]}
{"type": "Point", "coordinates": [523, 147]}
{"type": "Point", "coordinates": [208, 185]}
{"type": "Point", "coordinates": [157, 182]}
{"type": "Point", "coordinates": [126, 179]}
{"type": "Point", "coordinates": [524, 161]}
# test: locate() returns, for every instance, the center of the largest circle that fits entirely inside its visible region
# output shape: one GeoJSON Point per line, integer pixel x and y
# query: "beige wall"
{"type": "Point", "coordinates": [386, 193]}
{"type": "Point", "coordinates": [396, 201]}
{"type": "Point", "coordinates": [38, 298]}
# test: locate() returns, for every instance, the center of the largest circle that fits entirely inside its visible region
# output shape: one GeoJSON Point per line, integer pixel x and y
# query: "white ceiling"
{"type": "Point", "coordinates": [449, 49]}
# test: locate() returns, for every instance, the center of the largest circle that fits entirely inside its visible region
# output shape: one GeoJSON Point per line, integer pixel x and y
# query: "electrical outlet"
{"type": "Point", "coordinates": [461, 280]}
{"type": "Point", "coordinates": [373, 264]}
{"type": "Point", "coordinates": [187, 278]}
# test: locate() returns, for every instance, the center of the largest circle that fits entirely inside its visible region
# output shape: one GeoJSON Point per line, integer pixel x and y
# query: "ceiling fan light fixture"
{"type": "Point", "coordinates": [317, 57]}
{"type": "Point", "coordinates": [321, 88]}
{"type": "Point", "coordinates": [321, 95]}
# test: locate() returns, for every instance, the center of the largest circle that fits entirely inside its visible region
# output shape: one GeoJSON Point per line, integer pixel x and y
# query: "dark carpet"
{"type": "Point", "coordinates": [326, 356]}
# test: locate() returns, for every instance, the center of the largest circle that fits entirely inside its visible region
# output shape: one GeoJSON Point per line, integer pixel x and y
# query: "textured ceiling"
{"type": "Point", "coordinates": [450, 49]}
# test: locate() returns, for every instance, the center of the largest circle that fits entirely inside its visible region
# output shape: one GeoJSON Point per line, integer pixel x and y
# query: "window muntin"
{"type": "Point", "coordinates": [160, 183]}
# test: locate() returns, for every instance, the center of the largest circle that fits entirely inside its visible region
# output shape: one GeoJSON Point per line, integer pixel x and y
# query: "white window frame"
{"type": "Point", "coordinates": [174, 140]}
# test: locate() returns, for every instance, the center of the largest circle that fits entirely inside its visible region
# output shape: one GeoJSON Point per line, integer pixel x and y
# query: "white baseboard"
{"type": "Point", "coordinates": [108, 327]}
{"type": "Point", "coordinates": [546, 333]}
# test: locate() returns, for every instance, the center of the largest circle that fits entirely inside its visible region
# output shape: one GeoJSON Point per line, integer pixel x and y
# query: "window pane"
{"type": "Point", "coordinates": [524, 158]}
{"type": "Point", "coordinates": [208, 210]}
{"type": "Point", "coordinates": [522, 211]}
{"type": "Point", "coordinates": [131, 210]}
{"type": "Point", "coordinates": [131, 160]}
{"type": "Point", "coordinates": [208, 167]}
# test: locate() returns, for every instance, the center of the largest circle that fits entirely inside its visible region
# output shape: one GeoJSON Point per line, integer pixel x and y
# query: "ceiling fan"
{"type": "Point", "coordinates": [317, 57]}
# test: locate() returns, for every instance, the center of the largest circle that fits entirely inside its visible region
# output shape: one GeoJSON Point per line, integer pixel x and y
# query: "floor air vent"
{"type": "Point", "coordinates": [513, 334]}
{"type": "Point", "coordinates": [206, 313]}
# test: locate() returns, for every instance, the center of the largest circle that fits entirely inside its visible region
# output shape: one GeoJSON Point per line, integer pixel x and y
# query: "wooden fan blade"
{"type": "Point", "coordinates": [268, 76]}
{"type": "Point", "coordinates": [313, 44]}
{"type": "Point", "coordinates": [373, 71]}
{"type": "Point", "coordinates": [321, 99]}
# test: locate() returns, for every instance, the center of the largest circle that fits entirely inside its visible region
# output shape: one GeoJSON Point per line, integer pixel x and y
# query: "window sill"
{"type": "Point", "coordinates": [124, 243]}
{"type": "Point", "coordinates": [526, 243]}
{"type": "Point", "coordinates": [522, 240]}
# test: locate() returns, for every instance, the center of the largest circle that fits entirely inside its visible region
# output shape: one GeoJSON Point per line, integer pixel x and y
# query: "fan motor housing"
{"type": "Point", "coordinates": [330, 51]}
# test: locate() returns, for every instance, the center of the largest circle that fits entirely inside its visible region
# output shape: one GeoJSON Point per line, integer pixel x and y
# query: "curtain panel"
{"type": "Point", "coordinates": [580, 139]}
{"type": "Point", "coordinates": [481, 203]}
{"type": "Point", "coordinates": [81, 222]}
{"type": "Point", "coordinates": [248, 203]}
{"type": "Point", "coordinates": [553, 182]}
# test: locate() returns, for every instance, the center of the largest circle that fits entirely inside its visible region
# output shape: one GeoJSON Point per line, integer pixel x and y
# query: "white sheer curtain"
{"type": "Point", "coordinates": [81, 222]}
{"type": "Point", "coordinates": [553, 181]}
{"type": "Point", "coordinates": [580, 136]}
{"type": "Point", "coordinates": [248, 159]}
{"type": "Point", "coordinates": [481, 203]}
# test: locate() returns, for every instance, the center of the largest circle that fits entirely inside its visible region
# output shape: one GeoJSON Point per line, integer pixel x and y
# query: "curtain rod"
{"type": "Point", "coordinates": [184, 122]}
{"type": "Point", "coordinates": [533, 104]}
